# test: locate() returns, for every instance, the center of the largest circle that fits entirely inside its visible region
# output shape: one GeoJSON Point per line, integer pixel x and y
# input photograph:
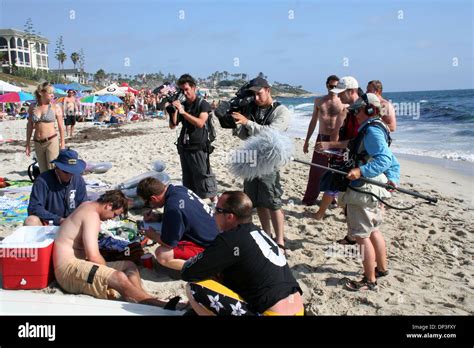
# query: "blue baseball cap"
{"type": "Point", "coordinates": [68, 161]}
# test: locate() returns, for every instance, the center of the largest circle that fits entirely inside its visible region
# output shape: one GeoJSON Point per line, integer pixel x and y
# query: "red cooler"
{"type": "Point", "coordinates": [26, 258]}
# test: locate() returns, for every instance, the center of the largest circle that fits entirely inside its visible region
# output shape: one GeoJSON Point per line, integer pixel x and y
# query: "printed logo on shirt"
{"type": "Point", "coordinates": [72, 199]}
{"type": "Point", "coordinates": [266, 246]}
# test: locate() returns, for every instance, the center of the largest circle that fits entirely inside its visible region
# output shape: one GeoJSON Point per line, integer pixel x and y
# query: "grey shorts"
{"type": "Point", "coordinates": [265, 192]}
{"type": "Point", "coordinates": [362, 221]}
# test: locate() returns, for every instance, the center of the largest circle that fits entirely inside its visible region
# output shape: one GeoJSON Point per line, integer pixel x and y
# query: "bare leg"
{"type": "Point", "coordinates": [199, 309]}
{"type": "Point", "coordinates": [165, 257]}
{"type": "Point", "coordinates": [264, 216]}
{"type": "Point", "coordinates": [278, 222]}
{"type": "Point", "coordinates": [120, 282]}
{"type": "Point", "coordinates": [325, 202]}
{"type": "Point", "coordinates": [72, 130]}
{"type": "Point", "coordinates": [380, 250]}
{"type": "Point", "coordinates": [131, 271]}
{"type": "Point", "coordinates": [368, 261]}
{"type": "Point", "coordinates": [32, 220]}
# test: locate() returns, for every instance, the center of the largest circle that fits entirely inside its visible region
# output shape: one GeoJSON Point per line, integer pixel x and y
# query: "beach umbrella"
{"type": "Point", "coordinates": [89, 99]}
{"type": "Point", "coordinates": [109, 99]}
{"type": "Point", "coordinates": [113, 89]}
{"type": "Point", "coordinates": [58, 92]}
{"type": "Point", "coordinates": [16, 97]}
{"type": "Point", "coordinates": [7, 87]}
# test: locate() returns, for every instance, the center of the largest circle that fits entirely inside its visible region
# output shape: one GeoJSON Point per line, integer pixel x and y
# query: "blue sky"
{"type": "Point", "coordinates": [298, 42]}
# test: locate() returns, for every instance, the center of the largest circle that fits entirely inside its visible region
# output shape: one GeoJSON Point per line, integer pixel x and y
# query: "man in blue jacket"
{"type": "Point", "coordinates": [57, 192]}
{"type": "Point", "coordinates": [374, 160]}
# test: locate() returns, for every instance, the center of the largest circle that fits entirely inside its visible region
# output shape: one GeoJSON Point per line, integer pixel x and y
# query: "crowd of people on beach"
{"type": "Point", "coordinates": [232, 266]}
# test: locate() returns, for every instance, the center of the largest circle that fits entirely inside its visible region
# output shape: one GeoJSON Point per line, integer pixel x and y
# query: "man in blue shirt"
{"type": "Point", "coordinates": [374, 160]}
{"type": "Point", "coordinates": [188, 226]}
{"type": "Point", "coordinates": [57, 192]}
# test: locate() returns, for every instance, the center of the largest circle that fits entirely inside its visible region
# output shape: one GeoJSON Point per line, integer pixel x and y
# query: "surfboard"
{"type": "Point", "coordinates": [23, 302]}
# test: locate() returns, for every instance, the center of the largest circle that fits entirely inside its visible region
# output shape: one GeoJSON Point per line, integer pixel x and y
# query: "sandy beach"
{"type": "Point", "coordinates": [430, 248]}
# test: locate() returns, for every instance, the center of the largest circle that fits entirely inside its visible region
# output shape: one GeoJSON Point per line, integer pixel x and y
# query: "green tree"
{"type": "Point", "coordinates": [75, 58]}
{"type": "Point", "coordinates": [100, 75]}
{"type": "Point", "coordinates": [59, 52]}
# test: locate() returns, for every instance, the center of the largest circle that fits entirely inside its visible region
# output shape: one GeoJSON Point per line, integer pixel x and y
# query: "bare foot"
{"type": "Point", "coordinates": [319, 215]}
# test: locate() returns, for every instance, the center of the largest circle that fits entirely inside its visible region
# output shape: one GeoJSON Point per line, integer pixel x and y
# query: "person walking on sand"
{"type": "Point", "coordinates": [41, 124]}
{"type": "Point", "coordinates": [330, 112]}
{"type": "Point", "coordinates": [71, 110]}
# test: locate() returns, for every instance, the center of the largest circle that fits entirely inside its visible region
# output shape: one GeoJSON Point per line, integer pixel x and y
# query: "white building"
{"type": "Point", "coordinates": [73, 75]}
{"type": "Point", "coordinates": [15, 46]}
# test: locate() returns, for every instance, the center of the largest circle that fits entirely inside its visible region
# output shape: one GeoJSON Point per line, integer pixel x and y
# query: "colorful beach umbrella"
{"type": "Point", "coordinates": [16, 97]}
{"type": "Point", "coordinates": [90, 99]}
{"type": "Point", "coordinates": [58, 92]}
{"type": "Point", "coordinates": [109, 99]}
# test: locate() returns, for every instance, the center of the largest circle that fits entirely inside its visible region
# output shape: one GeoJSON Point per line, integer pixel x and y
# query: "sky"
{"type": "Point", "coordinates": [408, 45]}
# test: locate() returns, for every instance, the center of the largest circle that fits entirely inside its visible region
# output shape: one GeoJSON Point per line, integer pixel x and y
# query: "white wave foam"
{"type": "Point", "coordinates": [423, 101]}
{"type": "Point", "coordinates": [450, 155]}
{"type": "Point", "coordinates": [304, 105]}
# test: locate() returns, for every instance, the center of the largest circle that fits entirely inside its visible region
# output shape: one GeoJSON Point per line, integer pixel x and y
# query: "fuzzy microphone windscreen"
{"type": "Point", "coordinates": [261, 155]}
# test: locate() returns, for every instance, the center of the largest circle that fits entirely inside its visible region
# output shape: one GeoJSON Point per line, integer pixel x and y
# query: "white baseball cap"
{"type": "Point", "coordinates": [346, 82]}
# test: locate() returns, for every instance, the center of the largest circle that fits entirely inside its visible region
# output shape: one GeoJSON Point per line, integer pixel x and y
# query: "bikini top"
{"type": "Point", "coordinates": [48, 117]}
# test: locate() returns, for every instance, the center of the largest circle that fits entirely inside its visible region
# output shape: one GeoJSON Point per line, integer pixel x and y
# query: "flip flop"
{"type": "Point", "coordinates": [360, 285]}
{"type": "Point", "coordinates": [346, 241]}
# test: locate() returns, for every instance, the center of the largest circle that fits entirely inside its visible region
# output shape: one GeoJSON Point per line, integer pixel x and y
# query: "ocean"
{"type": "Point", "coordinates": [437, 124]}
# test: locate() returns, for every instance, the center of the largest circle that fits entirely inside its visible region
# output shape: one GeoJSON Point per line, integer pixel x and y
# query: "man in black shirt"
{"type": "Point", "coordinates": [193, 143]}
{"type": "Point", "coordinates": [254, 277]}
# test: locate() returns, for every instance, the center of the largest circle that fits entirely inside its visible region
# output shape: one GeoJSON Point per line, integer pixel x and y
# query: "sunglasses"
{"type": "Point", "coordinates": [222, 211]}
{"type": "Point", "coordinates": [332, 86]}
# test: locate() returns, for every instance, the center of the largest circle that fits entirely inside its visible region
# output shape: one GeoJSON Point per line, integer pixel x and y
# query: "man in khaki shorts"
{"type": "Point", "coordinates": [78, 265]}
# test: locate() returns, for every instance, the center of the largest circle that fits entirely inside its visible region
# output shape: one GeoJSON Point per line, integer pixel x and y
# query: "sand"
{"type": "Point", "coordinates": [430, 248]}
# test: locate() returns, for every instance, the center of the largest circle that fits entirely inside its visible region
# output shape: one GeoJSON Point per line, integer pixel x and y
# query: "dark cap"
{"type": "Point", "coordinates": [68, 161]}
{"type": "Point", "coordinates": [257, 84]}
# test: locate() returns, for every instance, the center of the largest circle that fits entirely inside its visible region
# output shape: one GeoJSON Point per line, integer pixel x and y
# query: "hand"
{"type": "Point", "coordinates": [392, 184]}
{"type": "Point", "coordinates": [305, 147]}
{"type": "Point", "coordinates": [150, 216]}
{"type": "Point", "coordinates": [239, 118]}
{"type": "Point", "coordinates": [150, 233]}
{"type": "Point", "coordinates": [177, 104]}
{"type": "Point", "coordinates": [354, 174]}
{"type": "Point", "coordinates": [28, 150]}
{"type": "Point", "coordinates": [321, 146]}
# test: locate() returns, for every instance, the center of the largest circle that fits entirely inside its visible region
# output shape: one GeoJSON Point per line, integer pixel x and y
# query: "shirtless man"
{"type": "Point", "coordinates": [78, 265]}
{"type": "Point", "coordinates": [388, 111]}
{"type": "Point", "coordinates": [330, 113]}
{"type": "Point", "coordinates": [70, 108]}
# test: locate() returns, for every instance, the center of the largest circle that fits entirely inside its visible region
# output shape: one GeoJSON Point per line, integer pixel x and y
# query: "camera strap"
{"type": "Point", "coordinates": [269, 115]}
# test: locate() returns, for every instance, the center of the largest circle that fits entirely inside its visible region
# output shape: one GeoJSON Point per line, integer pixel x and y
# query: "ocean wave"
{"type": "Point", "coordinates": [450, 155]}
{"type": "Point", "coordinates": [304, 105]}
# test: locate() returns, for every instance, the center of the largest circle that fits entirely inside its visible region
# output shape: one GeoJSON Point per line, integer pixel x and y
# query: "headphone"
{"type": "Point", "coordinates": [370, 110]}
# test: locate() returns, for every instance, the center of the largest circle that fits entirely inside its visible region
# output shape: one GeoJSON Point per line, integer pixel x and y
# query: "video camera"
{"type": "Point", "coordinates": [243, 98]}
{"type": "Point", "coordinates": [171, 93]}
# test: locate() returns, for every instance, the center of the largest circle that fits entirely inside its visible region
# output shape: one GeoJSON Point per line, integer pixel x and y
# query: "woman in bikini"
{"type": "Point", "coordinates": [41, 118]}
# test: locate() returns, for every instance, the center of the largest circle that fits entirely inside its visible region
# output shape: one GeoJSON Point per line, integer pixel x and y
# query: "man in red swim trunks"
{"type": "Point", "coordinates": [188, 225]}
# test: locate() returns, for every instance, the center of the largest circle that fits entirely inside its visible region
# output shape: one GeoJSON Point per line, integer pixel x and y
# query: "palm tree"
{"type": "Point", "coordinates": [61, 57]}
{"type": "Point", "coordinates": [100, 75]}
{"type": "Point", "coordinates": [75, 58]}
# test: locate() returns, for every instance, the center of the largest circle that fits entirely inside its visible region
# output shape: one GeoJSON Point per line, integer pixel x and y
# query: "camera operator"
{"type": "Point", "coordinates": [193, 142]}
{"type": "Point", "coordinates": [265, 192]}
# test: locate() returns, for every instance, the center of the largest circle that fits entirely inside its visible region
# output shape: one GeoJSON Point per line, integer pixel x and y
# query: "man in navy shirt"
{"type": "Point", "coordinates": [57, 192]}
{"type": "Point", "coordinates": [188, 226]}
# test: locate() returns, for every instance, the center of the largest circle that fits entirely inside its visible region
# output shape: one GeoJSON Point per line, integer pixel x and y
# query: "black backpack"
{"type": "Point", "coordinates": [211, 131]}
{"type": "Point", "coordinates": [33, 170]}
